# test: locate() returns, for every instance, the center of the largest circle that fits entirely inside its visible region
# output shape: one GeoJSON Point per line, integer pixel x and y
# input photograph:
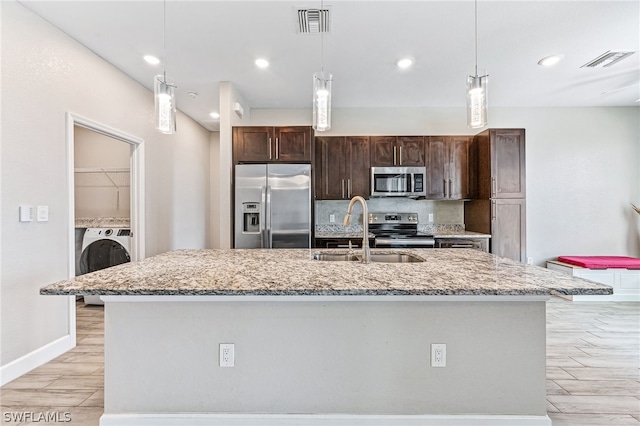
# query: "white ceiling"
{"type": "Point", "coordinates": [212, 41]}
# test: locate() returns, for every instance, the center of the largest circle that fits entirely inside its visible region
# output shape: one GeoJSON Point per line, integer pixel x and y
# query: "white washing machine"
{"type": "Point", "coordinates": [103, 248]}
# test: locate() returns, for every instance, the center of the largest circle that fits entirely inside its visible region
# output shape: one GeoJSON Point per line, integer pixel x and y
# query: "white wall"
{"type": "Point", "coordinates": [582, 167]}
{"type": "Point", "coordinates": [229, 96]}
{"type": "Point", "coordinates": [46, 74]}
{"type": "Point", "coordinates": [101, 194]}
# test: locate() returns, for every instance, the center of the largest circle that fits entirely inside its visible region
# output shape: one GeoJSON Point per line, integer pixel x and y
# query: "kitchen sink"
{"type": "Point", "coordinates": [335, 257]}
{"type": "Point", "coordinates": [395, 258]}
{"type": "Point", "coordinates": [374, 257]}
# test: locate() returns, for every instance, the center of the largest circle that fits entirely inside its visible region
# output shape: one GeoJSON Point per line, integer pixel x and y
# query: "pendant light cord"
{"type": "Point", "coordinates": [476, 33]}
{"type": "Point", "coordinates": [322, 38]}
{"type": "Point", "coordinates": [164, 39]}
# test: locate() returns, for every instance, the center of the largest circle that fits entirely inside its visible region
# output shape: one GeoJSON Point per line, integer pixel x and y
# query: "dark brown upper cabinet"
{"type": "Point", "coordinates": [499, 162]}
{"type": "Point", "coordinates": [341, 167]}
{"type": "Point", "coordinates": [389, 151]}
{"type": "Point", "coordinates": [448, 175]}
{"type": "Point", "coordinates": [272, 144]}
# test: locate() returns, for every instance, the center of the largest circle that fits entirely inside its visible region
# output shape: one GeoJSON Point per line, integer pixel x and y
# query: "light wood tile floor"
{"type": "Point", "coordinates": [593, 369]}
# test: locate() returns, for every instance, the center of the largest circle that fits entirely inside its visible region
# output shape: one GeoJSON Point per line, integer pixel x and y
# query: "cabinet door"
{"type": "Point", "coordinates": [436, 159]}
{"type": "Point", "coordinates": [331, 158]}
{"type": "Point", "coordinates": [358, 170]}
{"type": "Point", "coordinates": [508, 228]}
{"type": "Point", "coordinates": [459, 185]}
{"type": "Point", "coordinates": [292, 144]}
{"type": "Point", "coordinates": [252, 144]}
{"type": "Point", "coordinates": [508, 163]}
{"type": "Point", "coordinates": [410, 151]}
{"type": "Point", "coordinates": [383, 151]}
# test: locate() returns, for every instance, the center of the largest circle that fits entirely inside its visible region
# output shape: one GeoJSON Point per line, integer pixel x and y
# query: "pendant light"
{"type": "Point", "coordinates": [164, 89]}
{"type": "Point", "coordinates": [477, 90]}
{"type": "Point", "coordinates": [322, 86]}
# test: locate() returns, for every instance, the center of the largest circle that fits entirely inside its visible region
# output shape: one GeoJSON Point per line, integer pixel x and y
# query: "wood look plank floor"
{"type": "Point", "coordinates": [593, 369]}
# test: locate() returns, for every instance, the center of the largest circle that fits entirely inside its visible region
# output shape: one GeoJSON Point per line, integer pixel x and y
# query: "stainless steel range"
{"type": "Point", "coordinates": [398, 230]}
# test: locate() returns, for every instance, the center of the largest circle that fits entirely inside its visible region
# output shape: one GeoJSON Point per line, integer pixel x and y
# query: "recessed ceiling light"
{"type": "Point", "coordinates": [550, 60]}
{"type": "Point", "coordinates": [404, 63]}
{"type": "Point", "coordinates": [262, 63]}
{"type": "Point", "coordinates": [151, 60]}
{"type": "Point", "coordinates": [214, 115]}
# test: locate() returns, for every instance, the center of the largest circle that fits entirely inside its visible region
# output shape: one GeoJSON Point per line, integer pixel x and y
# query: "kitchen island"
{"type": "Point", "coordinates": [324, 343]}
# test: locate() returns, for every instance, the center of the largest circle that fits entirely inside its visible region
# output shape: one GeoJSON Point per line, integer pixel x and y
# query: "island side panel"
{"type": "Point", "coordinates": [325, 357]}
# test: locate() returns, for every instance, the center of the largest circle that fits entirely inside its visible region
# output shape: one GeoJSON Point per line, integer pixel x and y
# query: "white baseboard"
{"type": "Point", "coordinates": [184, 419]}
{"type": "Point", "coordinates": [605, 298]}
{"type": "Point", "coordinates": [34, 359]}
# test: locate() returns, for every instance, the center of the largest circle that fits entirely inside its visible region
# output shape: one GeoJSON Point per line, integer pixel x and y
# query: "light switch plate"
{"type": "Point", "coordinates": [26, 213]}
{"type": "Point", "coordinates": [43, 213]}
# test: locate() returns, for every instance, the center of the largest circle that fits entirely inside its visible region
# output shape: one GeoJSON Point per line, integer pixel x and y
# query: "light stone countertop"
{"type": "Point", "coordinates": [460, 234]}
{"type": "Point", "coordinates": [103, 222]}
{"type": "Point", "coordinates": [293, 272]}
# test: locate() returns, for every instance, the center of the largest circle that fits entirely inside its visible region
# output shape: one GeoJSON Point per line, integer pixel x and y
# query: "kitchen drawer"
{"type": "Point", "coordinates": [472, 243]}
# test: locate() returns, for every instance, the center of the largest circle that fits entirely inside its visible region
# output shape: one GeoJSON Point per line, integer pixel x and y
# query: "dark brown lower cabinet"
{"type": "Point", "coordinates": [505, 220]}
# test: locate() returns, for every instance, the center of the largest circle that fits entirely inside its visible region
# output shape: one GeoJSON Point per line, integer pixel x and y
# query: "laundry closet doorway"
{"type": "Point", "coordinates": [106, 199]}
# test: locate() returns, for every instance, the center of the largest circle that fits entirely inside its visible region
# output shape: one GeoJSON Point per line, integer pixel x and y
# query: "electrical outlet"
{"type": "Point", "coordinates": [332, 218]}
{"type": "Point", "coordinates": [530, 260]}
{"type": "Point", "coordinates": [227, 354]}
{"type": "Point", "coordinates": [430, 217]}
{"type": "Point", "coordinates": [438, 355]}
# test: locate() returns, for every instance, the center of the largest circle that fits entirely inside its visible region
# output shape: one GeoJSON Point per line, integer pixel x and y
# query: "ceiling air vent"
{"type": "Point", "coordinates": [313, 21]}
{"type": "Point", "coordinates": [607, 59]}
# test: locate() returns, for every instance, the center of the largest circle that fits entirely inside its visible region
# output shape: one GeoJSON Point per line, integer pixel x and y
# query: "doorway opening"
{"type": "Point", "coordinates": [106, 199]}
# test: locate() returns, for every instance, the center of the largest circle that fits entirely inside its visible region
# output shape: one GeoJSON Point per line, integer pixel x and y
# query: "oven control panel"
{"type": "Point", "coordinates": [393, 218]}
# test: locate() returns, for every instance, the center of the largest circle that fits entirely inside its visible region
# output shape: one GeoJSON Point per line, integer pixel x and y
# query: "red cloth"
{"type": "Point", "coordinates": [602, 262]}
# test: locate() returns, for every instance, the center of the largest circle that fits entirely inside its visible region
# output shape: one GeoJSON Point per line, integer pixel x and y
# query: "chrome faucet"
{"type": "Point", "coordinates": [365, 225]}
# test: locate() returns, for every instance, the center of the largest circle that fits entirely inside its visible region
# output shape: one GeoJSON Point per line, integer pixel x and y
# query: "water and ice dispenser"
{"type": "Point", "coordinates": [251, 218]}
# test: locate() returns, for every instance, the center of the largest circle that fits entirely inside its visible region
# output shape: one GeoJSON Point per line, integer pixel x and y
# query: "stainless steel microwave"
{"type": "Point", "coordinates": [398, 181]}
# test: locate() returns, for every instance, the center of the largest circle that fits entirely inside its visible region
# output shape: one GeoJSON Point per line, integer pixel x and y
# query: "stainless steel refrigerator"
{"type": "Point", "coordinates": [272, 206]}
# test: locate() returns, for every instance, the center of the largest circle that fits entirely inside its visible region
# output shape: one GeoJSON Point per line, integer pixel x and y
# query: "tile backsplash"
{"type": "Point", "coordinates": [444, 212]}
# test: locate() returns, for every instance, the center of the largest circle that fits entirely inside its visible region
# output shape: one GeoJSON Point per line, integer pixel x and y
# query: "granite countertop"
{"type": "Point", "coordinates": [436, 234]}
{"type": "Point", "coordinates": [103, 222]}
{"type": "Point", "coordinates": [340, 234]}
{"type": "Point", "coordinates": [293, 272]}
{"type": "Point", "coordinates": [460, 234]}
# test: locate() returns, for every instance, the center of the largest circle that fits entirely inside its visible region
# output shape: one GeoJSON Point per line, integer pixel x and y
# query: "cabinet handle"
{"type": "Point", "coordinates": [342, 187]}
{"type": "Point", "coordinates": [444, 187]}
{"type": "Point", "coordinates": [449, 188]}
{"type": "Point", "coordinates": [270, 151]}
{"type": "Point", "coordinates": [400, 156]}
{"type": "Point", "coordinates": [394, 155]}
{"type": "Point", "coordinates": [493, 210]}
{"type": "Point", "coordinates": [462, 246]}
{"type": "Point", "coordinates": [277, 149]}
{"type": "Point", "coordinates": [494, 189]}
{"type": "Point", "coordinates": [348, 188]}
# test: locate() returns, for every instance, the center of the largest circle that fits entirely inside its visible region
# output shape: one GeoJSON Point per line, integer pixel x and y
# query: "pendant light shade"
{"type": "Point", "coordinates": [322, 101]}
{"type": "Point", "coordinates": [477, 101]}
{"type": "Point", "coordinates": [165, 100]}
{"type": "Point", "coordinates": [477, 89]}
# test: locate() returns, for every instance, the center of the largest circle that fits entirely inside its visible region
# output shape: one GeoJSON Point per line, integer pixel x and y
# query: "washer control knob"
{"type": "Point", "coordinates": [108, 232]}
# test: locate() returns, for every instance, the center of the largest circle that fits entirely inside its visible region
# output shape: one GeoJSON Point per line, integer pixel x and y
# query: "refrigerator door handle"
{"type": "Point", "coordinates": [268, 241]}
{"type": "Point", "coordinates": [263, 200]}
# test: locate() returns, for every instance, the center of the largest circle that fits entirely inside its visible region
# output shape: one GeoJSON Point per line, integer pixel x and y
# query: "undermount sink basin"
{"type": "Point", "coordinates": [333, 257]}
{"type": "Point", "coordinates": [395, 258]}
{"type": "Point", "coordinates": [374, 257]}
